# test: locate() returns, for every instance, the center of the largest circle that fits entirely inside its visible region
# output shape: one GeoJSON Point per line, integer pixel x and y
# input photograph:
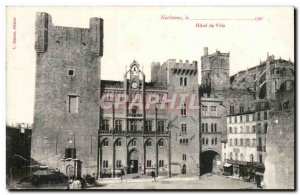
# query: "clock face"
{"type": "Point", "coordinates": [134, 85]}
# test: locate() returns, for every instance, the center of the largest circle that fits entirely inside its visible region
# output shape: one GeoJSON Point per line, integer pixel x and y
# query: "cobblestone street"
{"type": "Point", "coordinates": [208, 181]}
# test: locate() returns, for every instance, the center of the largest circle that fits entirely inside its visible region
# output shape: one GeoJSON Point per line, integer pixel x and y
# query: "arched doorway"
{"type": "Point", "coordinates": [133, 163]}
{"type": "Point", "coordinates": [209, 161]}
{"type": "Point", "coordinates": [183, 169]}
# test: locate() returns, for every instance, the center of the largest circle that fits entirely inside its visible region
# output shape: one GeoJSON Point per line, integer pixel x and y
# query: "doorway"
{"type": "Point", "coordinates": [183, 169]}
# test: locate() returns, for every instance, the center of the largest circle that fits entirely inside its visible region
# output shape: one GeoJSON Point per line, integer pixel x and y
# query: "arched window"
{"type": "Point", "coordinates": [251, 157]}
{"type": "Point", "coordinates": [216, 140]}
{"type": "Point", "coordinates": [215, 127]}
{"type": "Point", "coordinates": [212, 127]}
{"type": "Point", "coordinates": [242, 157]}
{"type": "Point", "coordinates": [206, 141]}
{"type": "Point", "coordinates": [212, 141]}
{"type": "Point", "coordinates": [202, 127]}
{"type": "Point", "coordinates": [161, 143]}
{"type": "Point", "coordinates": [223, 63]}
{"type": "Point", "coordinates": [185, 81]}
{"type": "Point", "coordinates": [181, 81]}
{"type": "Point", "coordinates": [206, 127]}
{"type": "Point", "coordinates": [203, 141]}
{"type": "Point", "coordinates": [183, 110]}
{"type": "Point", "coordinates": [149, 143]}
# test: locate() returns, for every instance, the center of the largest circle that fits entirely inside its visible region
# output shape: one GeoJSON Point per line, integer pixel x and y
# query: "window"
{"type": "Point", "coordinates": [105, 163]}
{"type": "Point", "coordinates": [259, 128]}
{"type": "Point", "coordinates": [235, 129]}
{"type": "Point", "coordinates": [161, 143]}
{"type": "Point", "coordinates": [230, 129]}
{"type": "Point", "coordinates": [71, 72]}
{"type": "Point", "coordinates": [202, 127]}
{"type": "Point", "coordinates": [253, 142]}
{"type": "Point", "coordinates": [230, 155]}
{"type": "Point", "coordinates": [235, 142]}
{"type": "Point", "coordinates": [73, 104]}
{"type": "Point", "coordinates": [149, 143]}
{"type": "Point", "coordinates": [236, 156]}
{"type": "Point", "coordinates": [265, 115]}
{"type": "Point", "coordinates": [241, 119]}
{"type": "Point", "coordinates": [260, 158]}
{"type": "Point", "coordinates": [212, 127]}
{"type": "Point", "coordinates": [266, 128]}
{"type": "Point", "coordinates": [161, 163]}
{"type": "Point", "coordinates": [206, 127]}
{"type": "Point", "coordinates": [248, 142]}
{"type": "Point", "coordinates": [183, 128]}
{"type": "Point", "coordinates": [242, 142]}
{"type": "Point", "coordinates": [258, 116]}
{"type": "Point", "coordinates": [230, 119]}
{"type": "Point", "coordinates": [247, 118]}
{"type": "Point", "coordinates": [215, 127]}
{"type": "Point", "coordinates": [253, 129]}
{"type": "Point", "coordinates": [206, 141]}
{"type": "Point", "coordinates": [224, 145]}
{"type": "Point", "coordinates": [231, 110]}
{"type": "Point", "coordinates": [241, 129]}
{"type": "Point", "coordinates": [184, 141]}
{"type": "Point", "coordinates": [247, 129]}
{"type": "Point", "coordinates": [148, 126]}
{"type": "Point", "coordinates": [213, 111]}
{"type": "Point", "coordinates": [184, 157]}
{"type": "Point", "coordinates": [183, 110]}
{"type": "Point", "coordinates": [133, 143]}
{"type": "Point", "coordinates": [241, 109]}
{"type": "Point", "coordinates": [203, 141]}
{"type": "Point", "coordinates": [105, 142]}
{"type": "Point", "coordinates": [230, 142]}
{"type": "Point", "coordinates": [242, 157]}
{"type": "Point", "coordinates": [235, 119]}
{"type": "Point", "coordinates": [212, 141]}
{"type": "Point", "coordinates": [224, 156]}
{"type": "Point", "coordinates": [161, 126]}
{"type": "Point", "coordinates": [148, 163]}
{"type": "Point", "coordinates": [118, 143]}
{"type": "Point", "coordinates": [259, 142]}
{"type": "Point", "coordinates": [133, 125]}
{"type": "Point", "coordinates": [204, 110]}
{"type": "Point", "coordinates": [181, 81]}
{"type": "Point", "coordinates": [216, 140]}
{"type": "Point", "coordinates": [251, 157]}
{"type": "Point", "coordinates": [185, 81]}
{"type": "Point", "coordinates": [105, 125]}
{"type": "Point", "coordinates": [118, 125]}
{"type": "Point", "coordinates": [119, 163]}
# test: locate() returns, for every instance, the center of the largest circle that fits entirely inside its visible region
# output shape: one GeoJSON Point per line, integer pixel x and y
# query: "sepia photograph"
{"type": "Point", "coordinates": [150, 98]}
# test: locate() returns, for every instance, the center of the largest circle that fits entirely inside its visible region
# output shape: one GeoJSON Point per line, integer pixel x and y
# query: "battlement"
{"type": "Point", "coordinates": [182, 67]}
{"type": "Point", "coordinates": [48, 35]}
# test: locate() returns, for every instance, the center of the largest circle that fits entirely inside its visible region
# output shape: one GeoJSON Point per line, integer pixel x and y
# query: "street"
{"type": "Point", "coordinates": [207, 181]}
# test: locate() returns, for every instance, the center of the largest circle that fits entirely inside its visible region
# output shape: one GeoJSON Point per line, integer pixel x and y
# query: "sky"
{"type": "Point", "coordinates": [140, 33]}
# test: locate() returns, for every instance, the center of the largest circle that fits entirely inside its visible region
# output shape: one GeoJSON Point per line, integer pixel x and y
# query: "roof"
{"type": "Point", "coordinates": [120, 84]}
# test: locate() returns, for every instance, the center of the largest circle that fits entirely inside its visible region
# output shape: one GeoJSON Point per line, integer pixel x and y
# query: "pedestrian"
{"type": "Point", "coordinates": [153, 175]}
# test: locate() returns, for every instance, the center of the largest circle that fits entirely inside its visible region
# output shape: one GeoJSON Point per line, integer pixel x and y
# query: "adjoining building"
{"type": "Point", "coordinates": [146, 137]}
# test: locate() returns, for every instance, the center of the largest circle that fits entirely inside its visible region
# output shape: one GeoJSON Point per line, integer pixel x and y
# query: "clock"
{"type": "Point", "coordinates": [134, 85]}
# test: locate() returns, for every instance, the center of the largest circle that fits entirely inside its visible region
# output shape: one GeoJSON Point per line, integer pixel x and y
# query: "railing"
{"type": "Point", "coordinates": [134, 114]}
{"type": "Point", "coordinates": [111, 132]}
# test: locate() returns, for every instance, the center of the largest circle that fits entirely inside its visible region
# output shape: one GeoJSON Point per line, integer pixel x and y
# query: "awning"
{"type": "Point", "coordinates": [259, 173]}
{"type": "Point", "coordinates": [227, 165]}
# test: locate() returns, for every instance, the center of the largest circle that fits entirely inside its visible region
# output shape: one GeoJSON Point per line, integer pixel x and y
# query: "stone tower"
{"type": "Point", "coordinates": [66, 115]}
{"type": "Point", "coordinates": [182, 82]}
{"type": "Point", "coordinates": [214, 72]}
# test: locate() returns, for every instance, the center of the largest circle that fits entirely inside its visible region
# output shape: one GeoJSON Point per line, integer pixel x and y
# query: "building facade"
{"type": "Point", "coordinates": [147, 133]}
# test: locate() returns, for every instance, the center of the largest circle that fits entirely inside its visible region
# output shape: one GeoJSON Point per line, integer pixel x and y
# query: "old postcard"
{"type": "Point", "coordinates": [151, 98]}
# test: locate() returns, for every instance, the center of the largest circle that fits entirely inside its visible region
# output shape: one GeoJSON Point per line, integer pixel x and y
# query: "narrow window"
{"type": "Point", "coordinates": [71, 72]}
{"type": "Point", "coordinates": [73, 104]}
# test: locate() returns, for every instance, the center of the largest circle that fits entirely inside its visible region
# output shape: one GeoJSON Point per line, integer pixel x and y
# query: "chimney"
{"type": "Point", "coordinates": [205, 51]}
